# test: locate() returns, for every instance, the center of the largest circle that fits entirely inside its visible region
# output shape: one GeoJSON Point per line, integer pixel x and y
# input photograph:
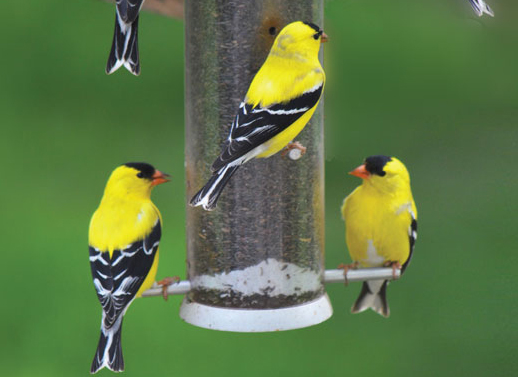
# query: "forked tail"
{"type": "Point", "coordinates": [209, 194]}
{"type": "Point", "coordinates": [109, 349]}
{"type": "Point", "coordinates": [124, 47]}
{"type": "Point", "coordinates": [374, 296]}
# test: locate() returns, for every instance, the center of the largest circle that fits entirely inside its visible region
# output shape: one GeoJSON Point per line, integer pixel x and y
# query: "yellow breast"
{"type": "Point", "coordinates": [278, 142]}
{"type": "Point", "coordinates": [377, 228]}
{"type": "Point", "coordinates": [279, 81]}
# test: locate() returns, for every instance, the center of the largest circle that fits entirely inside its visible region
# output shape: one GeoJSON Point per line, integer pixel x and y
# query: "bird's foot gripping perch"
{"type": "Point", "coordinates": [395, 266]}
{"type": "Point", "coordinates": [294, 150]}
{"type": "Point", "coordinates": [346, 268]}
{"type": "Point", "coordinates": [166, 282]}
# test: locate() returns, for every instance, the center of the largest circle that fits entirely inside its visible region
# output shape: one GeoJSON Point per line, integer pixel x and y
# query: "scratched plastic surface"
{"type": "Point", "coordinates": [274, 207]}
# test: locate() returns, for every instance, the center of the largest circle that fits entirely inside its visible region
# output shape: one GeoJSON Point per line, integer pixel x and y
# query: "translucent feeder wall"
{"type": "Point", "coordinates": [256, 263]}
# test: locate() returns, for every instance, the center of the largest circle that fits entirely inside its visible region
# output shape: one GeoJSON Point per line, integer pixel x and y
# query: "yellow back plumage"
{"type": "Point", "coordinates": [380, 212]}
{"type": "Point", "coordinates": [126, 213]}
{"type": "Point", "coordinates": [291, 68]}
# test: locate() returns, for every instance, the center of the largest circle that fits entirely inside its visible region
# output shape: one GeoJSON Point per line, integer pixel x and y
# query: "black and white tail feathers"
{"type": "Point", "coordinates": [480, 7]}
{"type": "Point", "coordinates": [109, 349]}
{"type": "Point", "coordinates": [117, 280]}
{"type": "Point", "coordinates": [209, 194]}
{"type": "Point", "coordinates": [374, 293]}
{"type": "Point", "coordinates": [373, 296]}
{"type": "Point", "coordinates": [124, 46]}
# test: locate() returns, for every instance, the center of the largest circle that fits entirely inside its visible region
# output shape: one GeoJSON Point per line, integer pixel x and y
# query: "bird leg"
{"type": "Point", "coordinates": [346, 268]}
{"type": "Point", "coordinates": [395, 266]}
{"type": "Point", "coordinates": [293, 145]}
{"type": "Point", "coordinates": [166, 282]}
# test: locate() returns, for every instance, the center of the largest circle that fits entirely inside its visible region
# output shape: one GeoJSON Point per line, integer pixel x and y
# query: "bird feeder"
{"type": "Point", "coordinates": [256, 263]}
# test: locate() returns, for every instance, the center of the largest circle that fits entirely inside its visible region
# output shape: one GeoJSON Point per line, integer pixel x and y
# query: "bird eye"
{"type": "Point", "coordinates": [316, 36]}
{"type": "Point", "coordinates": [272, 30]}
{"type": "Point", "coordinates": [140, 175]}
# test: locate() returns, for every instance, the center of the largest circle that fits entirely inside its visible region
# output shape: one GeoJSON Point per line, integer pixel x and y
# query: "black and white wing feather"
{"type": "Point", "coordinates": [124, 49]}
{"type": "Point", "coordinates": [480, 7]}
{"type": "Point", "coordinates": [254, 126]}
{"type": "Point", "coordinates": [117, 281]}
{"type": "Point", "coordinates": [129, 9]}
{"type": "Point", "coordinates": [412, 236]}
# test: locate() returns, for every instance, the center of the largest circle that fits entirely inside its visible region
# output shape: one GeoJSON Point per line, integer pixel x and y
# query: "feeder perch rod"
{"type": "Point", "coordinates": [331, 276]}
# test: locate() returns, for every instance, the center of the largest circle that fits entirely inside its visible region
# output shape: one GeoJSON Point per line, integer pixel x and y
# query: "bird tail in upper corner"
{"type": "Point", "coordinates": [109, 349]}
{"type": "Point", "coordinates": [209, 194]}
{"type": "Point", "coordinates": [124, 47]}
{"type": "Point", "coordinates": [480, 7]}
{"type": "Point", "coordinates": [374, 296]}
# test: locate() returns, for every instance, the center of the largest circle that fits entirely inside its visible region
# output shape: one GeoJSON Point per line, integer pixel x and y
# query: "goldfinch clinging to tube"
{"type": "Point", "coordinates": [280, 101]}
{"type": "Point", "coordinates": [125, 38]}
{"type": "Point", "coordinates": [380, 225]}
{"type": "Point", "coordinates": [123, 242]}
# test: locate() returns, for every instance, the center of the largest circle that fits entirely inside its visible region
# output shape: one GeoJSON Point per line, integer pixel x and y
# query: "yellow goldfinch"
{"type": "Point", "coordinates": [124, 49]}
{"type": "Point", "coordinates": [280, 101]}
{"type": "Point", "coordinates": [123, 242]}
{"type": "Point", "coordinates": [380, 225]}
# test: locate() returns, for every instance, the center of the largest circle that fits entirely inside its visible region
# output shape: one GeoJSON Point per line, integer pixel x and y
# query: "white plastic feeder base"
{"type": "Point", "coordinates": [257, 320]}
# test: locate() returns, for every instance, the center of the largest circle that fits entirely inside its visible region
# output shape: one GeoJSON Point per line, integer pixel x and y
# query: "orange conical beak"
{"type": "Point", "coordinates": [324, 38]}
{"type": "Point", "coordinates": [361, 172]}
{"type": "Point", "coordinates": [159, 178]}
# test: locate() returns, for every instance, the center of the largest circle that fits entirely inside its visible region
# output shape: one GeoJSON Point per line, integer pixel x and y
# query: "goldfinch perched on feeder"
{"type": "Point", "coordinates": [125, 45]}
{"type": "Point", "coordinates": [380, 225]}
{"type": "Point", "coordinates": [280, 101]}
{"type": "Point", "coordinates": [123, 242]}
{"type": "Point", "coordinates": [480, 7]}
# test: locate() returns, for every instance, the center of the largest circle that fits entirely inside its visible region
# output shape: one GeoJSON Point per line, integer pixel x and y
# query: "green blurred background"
{"type": "Point", "coordinates": [425, 81]}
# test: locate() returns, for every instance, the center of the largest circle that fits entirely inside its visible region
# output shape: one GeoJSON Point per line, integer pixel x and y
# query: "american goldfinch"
{"type": "Point", "coordinates": [380, 225]}
{"type": "Point", "coordinates": [125, 45]}
{"type": "Point", "coordinates": [123, 242]}
{"type": "Point", "coordinates": [480, 7]}
{"type": "Point", "coordinates": [280, 101]}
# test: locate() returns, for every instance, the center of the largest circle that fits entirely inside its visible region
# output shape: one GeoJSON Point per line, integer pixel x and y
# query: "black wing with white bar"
{"type": "Point", "coordinates": [412, 236]}
{"type": "Point", "coordinates": [254, 126]}
{"type": "Point", "coordinates": [118, 279]}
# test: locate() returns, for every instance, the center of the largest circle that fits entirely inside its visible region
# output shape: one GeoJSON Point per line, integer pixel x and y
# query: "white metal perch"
{"type": "Point", "coordinates": [330, 276]}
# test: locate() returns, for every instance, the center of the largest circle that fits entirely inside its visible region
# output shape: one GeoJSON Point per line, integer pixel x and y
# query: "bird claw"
{"type": "Point", "coordinates": [346, 268]}
{"type": "Point", "coordinates": [395, 266]}
{"type": "Point", "coordinates": [166, 282]}
{"type": "Point", "coordinates": [294, 145]}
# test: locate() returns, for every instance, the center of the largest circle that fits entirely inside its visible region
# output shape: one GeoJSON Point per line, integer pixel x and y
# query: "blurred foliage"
{"type": "Point", "coordinates": [425, 81]}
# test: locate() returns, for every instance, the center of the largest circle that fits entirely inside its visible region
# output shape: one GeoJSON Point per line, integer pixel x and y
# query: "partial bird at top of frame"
{"type": "Point", "coordinates": [480, 7]}
{"type": "Point", "coordinates": [124, 51]}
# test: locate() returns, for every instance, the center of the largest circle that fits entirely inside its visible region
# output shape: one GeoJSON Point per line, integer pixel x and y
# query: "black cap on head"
{"type": "Point", "coordinates": [375, 164]}
{"type": "Point", "coordinates": [318, 33]}
{"type": "Point", "coordinates": [145, 170]}
{"type": "Point", "coordinates": [312, 25]}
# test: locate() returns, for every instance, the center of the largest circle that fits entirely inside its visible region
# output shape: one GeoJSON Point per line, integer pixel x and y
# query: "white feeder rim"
{"type": "Point", "coordinates": [257, 320]}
